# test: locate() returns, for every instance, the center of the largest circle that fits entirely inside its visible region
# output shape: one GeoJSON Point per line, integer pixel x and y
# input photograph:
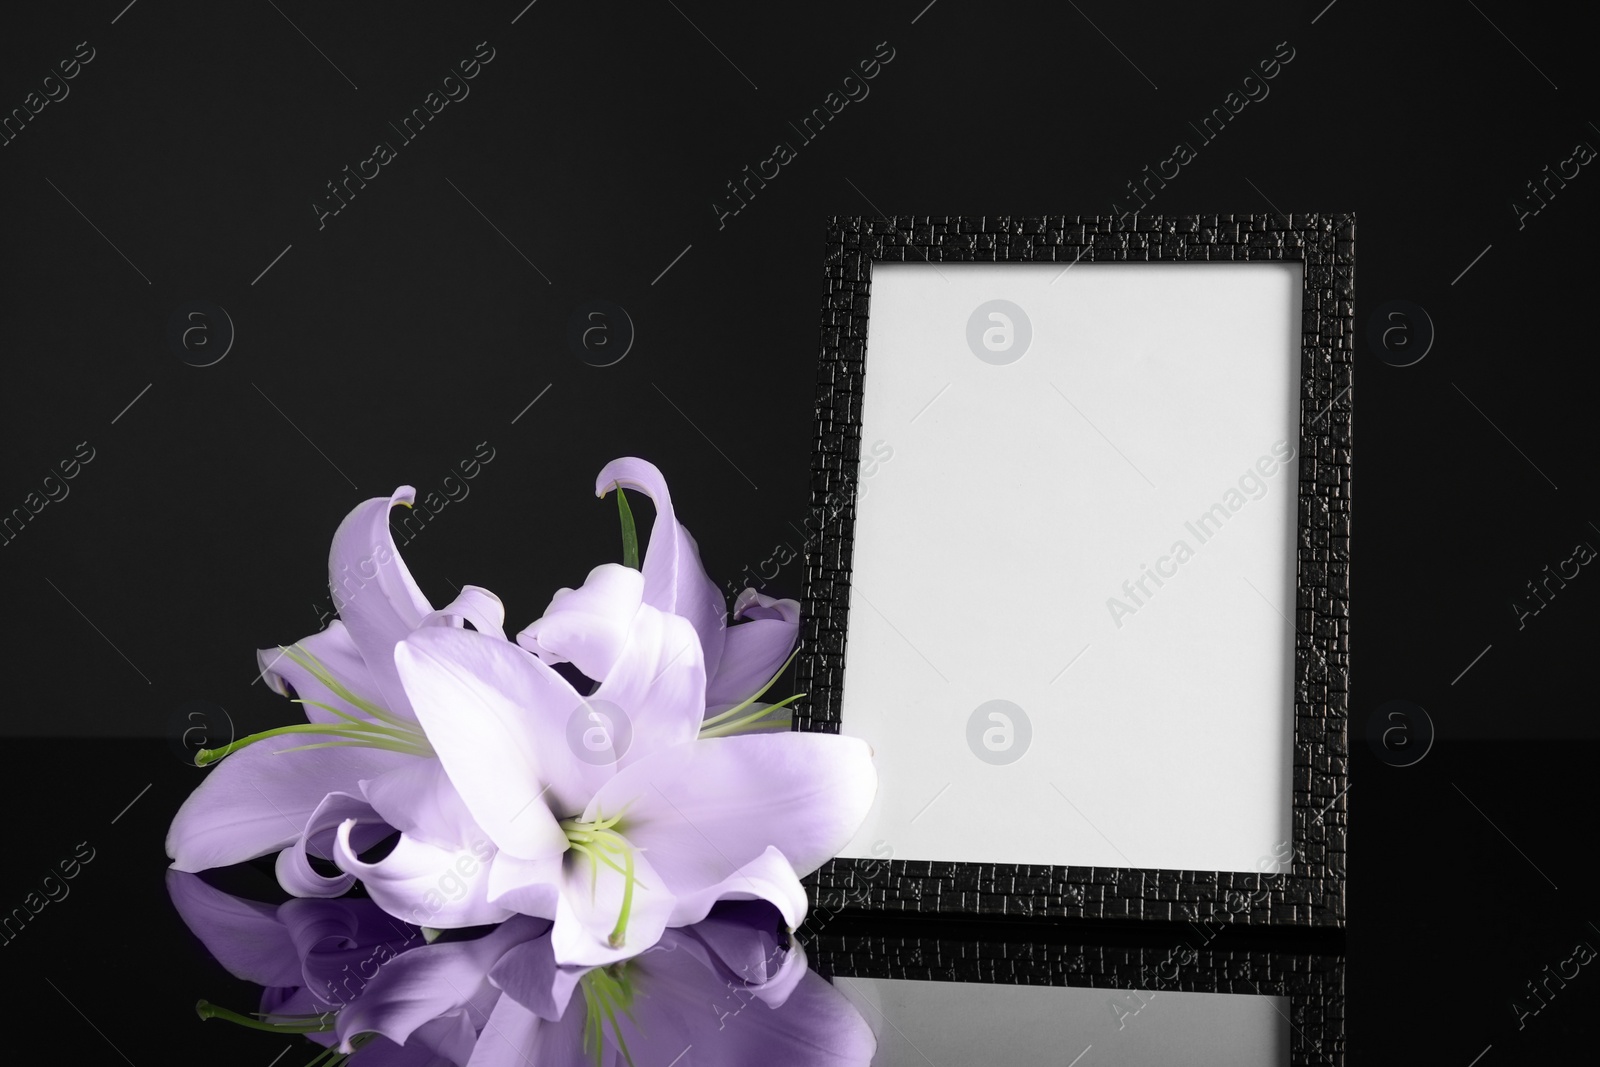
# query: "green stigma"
{"type": "Point", "coordinates": [602, 843]}
{"type": "Point", "coordinates": [384, 729]}
{"type": "Point", "coordinates": [606, 992]}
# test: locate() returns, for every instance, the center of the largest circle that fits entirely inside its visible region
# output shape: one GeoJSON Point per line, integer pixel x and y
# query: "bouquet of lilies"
{"type": "Point", "coordinates": [603, 787]}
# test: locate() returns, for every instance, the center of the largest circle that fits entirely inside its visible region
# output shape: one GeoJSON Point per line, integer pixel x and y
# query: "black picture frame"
{"type": "Point", "coordinates": [1312, 891]}
{"type": "Point", "coordinates": [1309, 975]}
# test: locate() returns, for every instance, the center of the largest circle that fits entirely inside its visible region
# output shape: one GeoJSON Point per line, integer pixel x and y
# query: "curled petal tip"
{"type": "Point", "coordinates": [631, 471]}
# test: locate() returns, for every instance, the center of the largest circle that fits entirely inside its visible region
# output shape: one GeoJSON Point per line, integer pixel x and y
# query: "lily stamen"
{"type": "Point", "coordinates": [749, 722]}
{"type": "Point", "coordinates": [753, 697]}
{"type": "Point", "coordinates": [332, 1057]}
{"type": "Point", "coordinates": [367, 736]}
{"type": "Point", "coordinates": [384, 730]}
{"type": "Point", "coordinates": [320, 1023]}
{"type": "Point", "coordinates": [606, 990]}
{"type": "Point", "coordinates": [602, 844]}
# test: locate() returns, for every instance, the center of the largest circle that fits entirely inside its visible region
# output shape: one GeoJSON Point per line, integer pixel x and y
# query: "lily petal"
{"type": "Point", "coordinates": [588, 626]}
{"type": "Point", "coordinates": [754, 649]}
{"type": "Point", "coordinates": [516, 1037]}
{"type": "Point", "coordinates": [746, 938]}
{"type": "Point", "coordinates": [528, 887]}
{"type": "Point", "coordinates": [338, 940]}
{"type": "Point", "coordinates": [497, 717]}
{"type": "Point", "coordinates": [590, 906]}
{"type": "Point", "coordinates": [244, 936]}
{"type": "Point", "coordinates": [792, 969]}
{"type": "Point", "coordinates": [815, 1027]}
{"type": "Point", "coordinates": [648, 661]}
{"type": "Point", "coordinates": [658, 682]}
{"type": "Point", "coordinates": [425, 884]}
{"type": "Point", "coordinates": [768, 877]}
{"type": "Point", "coordinates": [674, 578]}
{"type": "Point", "coordinates": [529, 974]}
{"type": "Point", "coordinates": [450, 1036]}
{"type": "Point", "coordinates": [705, 809]}
{"type": "Point", "coordinates": [374, 592]}
{"type": "Point", "coordinates": [258, 799]}
{"type": "Point", "coordinates": [336, 651]}
{"type": "Point", "coordinates": [420, 985]}
{"type": "Point", "coordinates": [473, 604]}
{"type": "Point", "coordinates": [295, 873]}
{"type": "Point", "coordinates": [418, 799]}
{"type": "Point", "coordinates": [385, 1053]}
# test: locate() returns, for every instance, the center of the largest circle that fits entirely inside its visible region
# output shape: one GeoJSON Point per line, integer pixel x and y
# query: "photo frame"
{"type": "Point", "coordinates": [1208, 748]}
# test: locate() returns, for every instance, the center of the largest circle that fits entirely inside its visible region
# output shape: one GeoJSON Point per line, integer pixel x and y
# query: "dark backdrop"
{"type": "Point", "coordinates": [180, 168]}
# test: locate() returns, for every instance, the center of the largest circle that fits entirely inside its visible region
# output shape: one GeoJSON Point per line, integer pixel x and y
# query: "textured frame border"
{"type": "Point", "coordinates": [1314, 983]}
{"type": "Point", "coordinates": [1312, 891]}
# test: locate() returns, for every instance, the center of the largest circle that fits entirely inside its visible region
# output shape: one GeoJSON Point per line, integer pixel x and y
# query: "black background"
{"type": "Point", "coordinates": [383, 347]}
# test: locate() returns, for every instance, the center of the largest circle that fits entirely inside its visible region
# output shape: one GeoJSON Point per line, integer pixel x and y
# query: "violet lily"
{"type": "Point", "coordinates": [734, 986]}
{"type": "Point", "coordinates": [315, 958]}
{"type": "Point", "coordinates": [742, 660]}
{"type": "Point", "coordinates": [359, 726]}
{"type": "Point", "coordinates": [726, 816]}
{"type": "Point", "coordinates": [613, 852]}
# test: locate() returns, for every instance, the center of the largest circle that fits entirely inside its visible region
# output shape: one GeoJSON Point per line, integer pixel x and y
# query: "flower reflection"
{"type": "Point", "coordinates": [733, 989]}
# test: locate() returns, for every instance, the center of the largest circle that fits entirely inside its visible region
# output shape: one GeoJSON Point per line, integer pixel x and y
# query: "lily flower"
{"type": "Point", "coordinates": [616, 851]}
{"type": "Point", "coordinates": [569, 836]}
{"type": "Point", "coordinates": [314, 958]}
{"type": "Point", "coordinates": [734, 986]}
{"type": "Point", "coordinates": [285, 790]}
{"type": "Point", "coordinates": [374, 993]}
{"type": "Point", "coordinates": [741, 660]}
